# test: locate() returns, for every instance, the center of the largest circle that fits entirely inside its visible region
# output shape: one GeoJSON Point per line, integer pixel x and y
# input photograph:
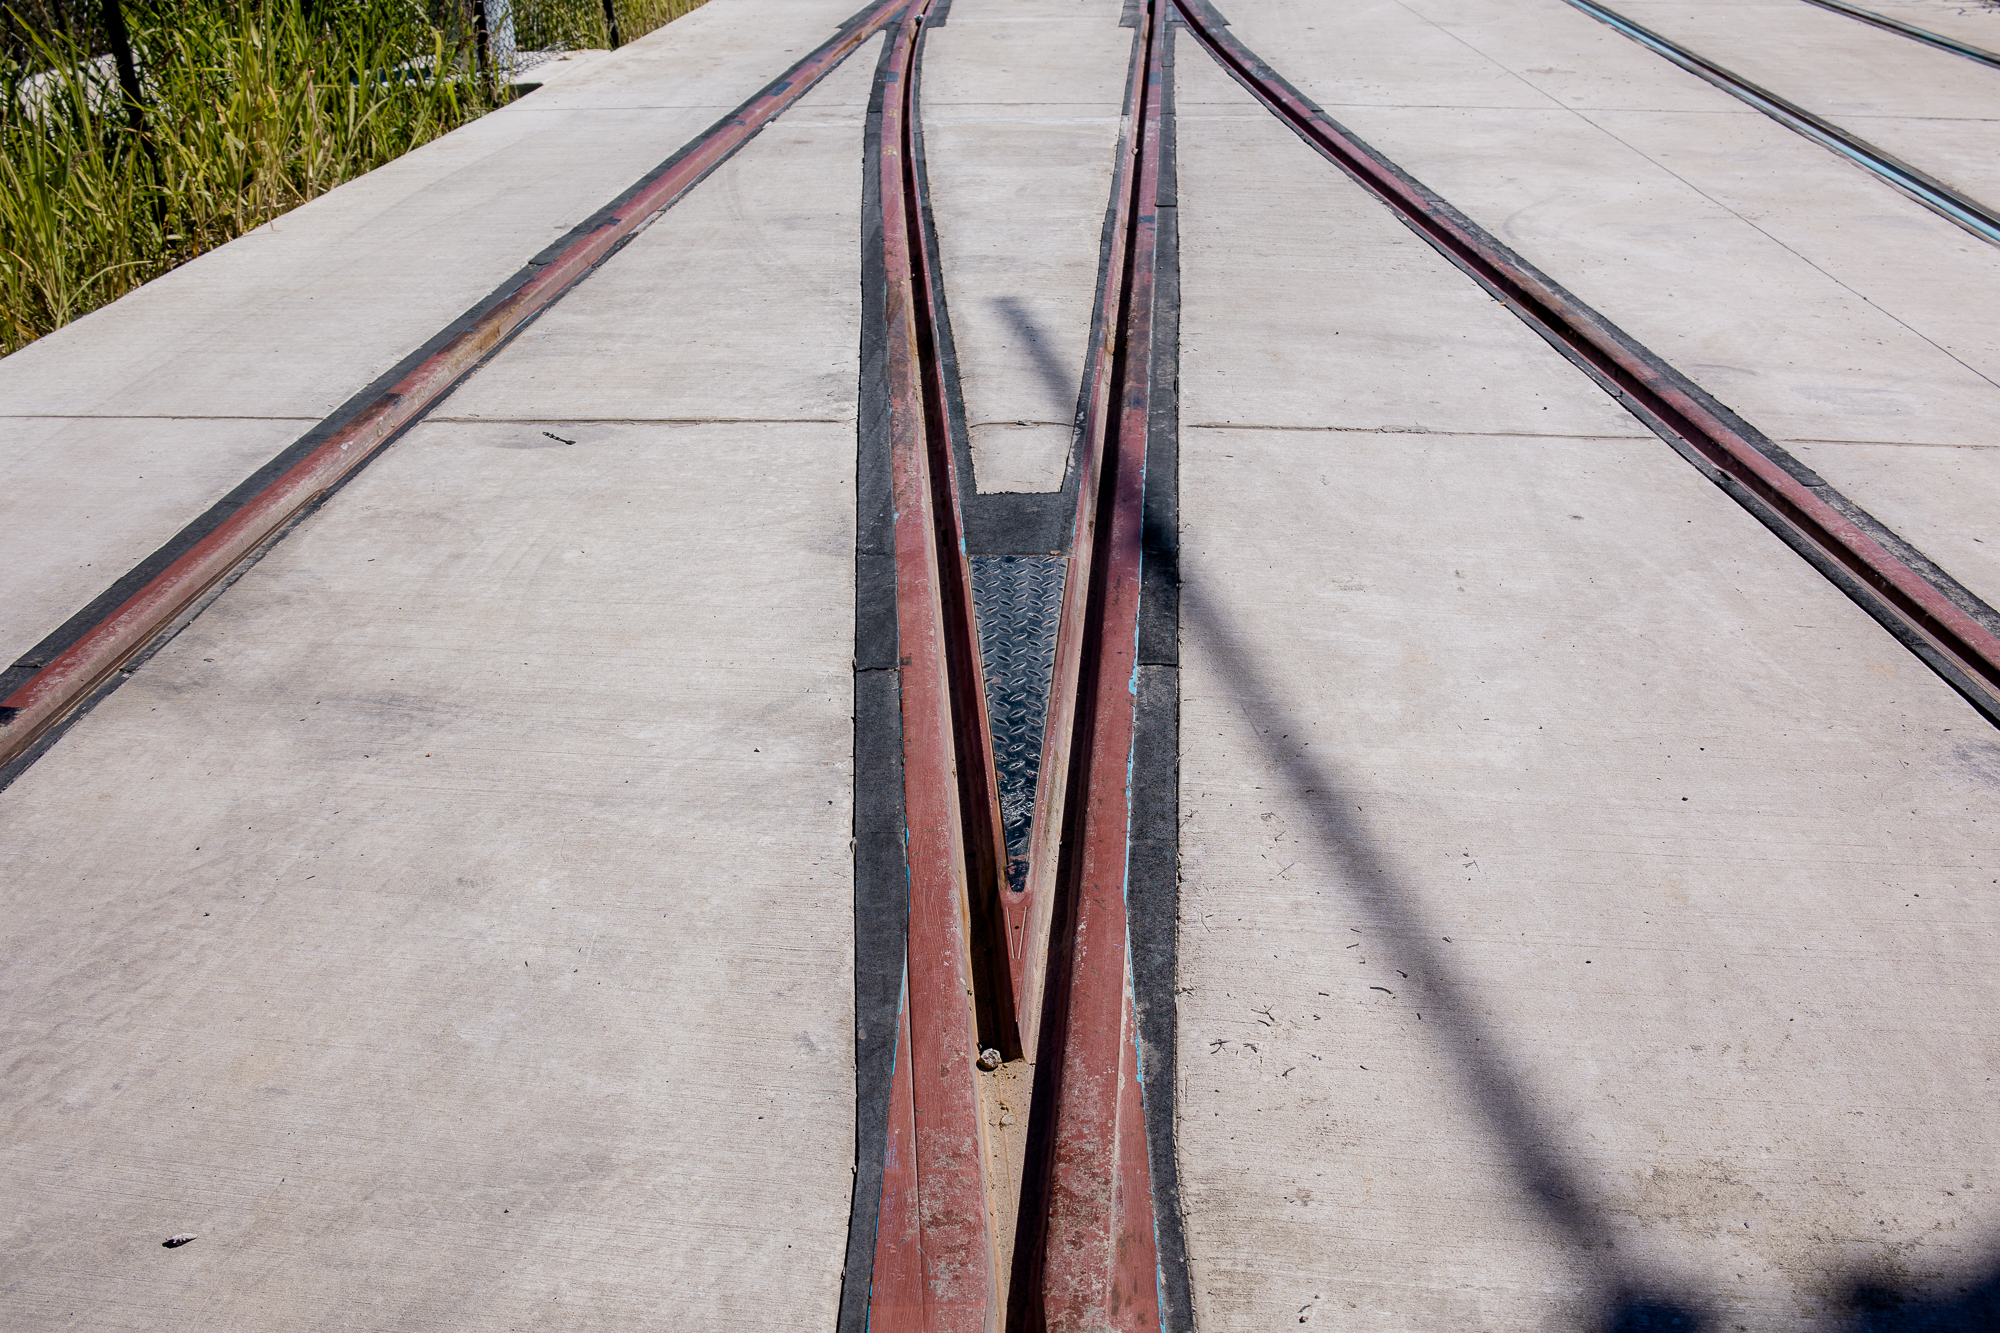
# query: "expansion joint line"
{"type": "Point", "coordinates": [73, 676]}
{"type": "Point", "coordinates": [1038, 980]}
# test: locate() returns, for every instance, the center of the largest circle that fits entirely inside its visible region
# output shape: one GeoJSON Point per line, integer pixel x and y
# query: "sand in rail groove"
{"type": "Point", "coordinates": [515, 788]}
{"type": "Point", "coordinates": [1444, 694]}
{"type": "Point", "coordinates": [1842, 319]}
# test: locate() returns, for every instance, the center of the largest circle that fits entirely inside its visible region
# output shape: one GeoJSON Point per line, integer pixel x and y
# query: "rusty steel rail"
{"type": "Point", "coordinates": [1031, 910]}
{"type": "Point", "coordinates": [936, 1267]}
{"type": "Point", "coordinates": [70, 679]}
{"type": "Point", "coordinates": [1838, 537]}
{"type": "Point", "coordinates": [1098, 1255]}
{"type": "Point", "coordinates": [1083, 1256]}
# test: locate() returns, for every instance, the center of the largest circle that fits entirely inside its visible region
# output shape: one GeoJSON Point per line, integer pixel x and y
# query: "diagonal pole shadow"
{"type": "Point", "coordinates": [1060, 382]}
{"type": "Point", "coordinates": [1631, 1301]}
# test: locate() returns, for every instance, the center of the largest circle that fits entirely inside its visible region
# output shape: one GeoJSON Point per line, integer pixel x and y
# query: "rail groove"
{"type": "Point", "coordinates": [1830, 530]}
{"type": "Point", "coordinates": [1079, 1211]}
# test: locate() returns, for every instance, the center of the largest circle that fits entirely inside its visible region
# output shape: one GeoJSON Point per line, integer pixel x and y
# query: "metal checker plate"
{"type": "Point", "coordinates": [1019, 601]}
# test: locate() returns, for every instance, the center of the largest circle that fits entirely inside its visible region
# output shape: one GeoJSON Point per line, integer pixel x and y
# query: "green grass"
{"type": "Point", "coordinates": [250, 108]}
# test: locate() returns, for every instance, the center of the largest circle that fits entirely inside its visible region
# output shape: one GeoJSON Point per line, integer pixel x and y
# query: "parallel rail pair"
{"type": "Point", "coordinates": [1085, 1255]}
{"type": "Point", "coordinates": [1051, 982]}
{"type": "Point", "coordinates": [1080, 1211]}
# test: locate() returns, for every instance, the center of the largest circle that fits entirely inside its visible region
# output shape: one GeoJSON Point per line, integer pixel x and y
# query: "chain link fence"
{"type": "Point", "coordinates": [136, 135]}
{"type": "Point", "coordinates": [508, 37]}
{"type": "Point", "coordinates": [514, 36]}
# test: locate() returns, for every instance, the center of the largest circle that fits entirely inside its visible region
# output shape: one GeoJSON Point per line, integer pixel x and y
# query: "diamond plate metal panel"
{"type": "Point", "coordinates": [1018, 599]}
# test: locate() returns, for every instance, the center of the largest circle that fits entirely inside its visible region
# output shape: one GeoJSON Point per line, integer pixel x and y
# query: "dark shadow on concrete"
{"type": "Point", "coordinates": [1645, 1315]}
{"type": "Point", "coordinates": [1630, 1301]}
{"type": "Point", "coordinates": [1062, 385]}
{"type": "Point", "coordinates": [1882, 1309]}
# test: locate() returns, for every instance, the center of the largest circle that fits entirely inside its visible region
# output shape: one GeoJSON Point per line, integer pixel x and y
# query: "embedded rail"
{"type": "Point", "coordinates": [1037, 978]}
{"type": "Point", "coordinates": [1041, 978]}
{"type": "Point", "coordinates": [1928, 611]}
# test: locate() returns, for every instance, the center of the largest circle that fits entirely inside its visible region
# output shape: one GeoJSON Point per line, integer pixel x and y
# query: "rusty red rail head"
{"type": "Point", "coordinates": [946, 1221]}
{"type": "Point", "coordinates": [1099, 1261]}
{"type": "Point", "coordinates": [1032, 911]}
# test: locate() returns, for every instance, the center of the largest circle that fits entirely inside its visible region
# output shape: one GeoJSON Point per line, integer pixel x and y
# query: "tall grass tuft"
{"type": "Point", "coordinates": [250, 108]}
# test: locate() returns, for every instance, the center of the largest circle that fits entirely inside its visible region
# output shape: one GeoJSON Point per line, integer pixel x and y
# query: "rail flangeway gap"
{"type": "Point", "coordinates": [1017, 1190]}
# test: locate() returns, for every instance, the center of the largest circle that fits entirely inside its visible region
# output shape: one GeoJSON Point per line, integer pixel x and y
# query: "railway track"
{"type": "Point", "coordinates": [1052, 1227]}
{"type": "Point", "coordinates": [1018, 995]}
{"type": "Point", "coordinates": [1932, 614]}
{"type": "Point", "coordinates": [1057, 1232]}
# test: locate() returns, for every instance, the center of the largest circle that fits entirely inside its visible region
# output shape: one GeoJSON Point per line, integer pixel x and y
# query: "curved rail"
{"type": "Point", "coordinates": [1823, 525]}
{"type": "Point", "coordinates": [1910, 30]}
{"type": "Point", "coordinates": [53, 693]}
{"type": "Point", "coordinates": [1083, 1257]}
{"type": "Point", "coordinates": [936, 1266]}
{"type": "Point", "coordinates": [1932, 193]}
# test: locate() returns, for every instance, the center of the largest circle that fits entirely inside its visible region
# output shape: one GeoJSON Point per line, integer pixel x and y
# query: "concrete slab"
{"type": "Point", "coordinates": [286, 323]}
{"type": "Point", "coordinates": [1286, 346]}
{"type": "Point", "coordinates": [88, 498]}
{"type": "Point", "coordinates": [1553, 840]}
{"type": "Point", "coordinates": [453, 925]}
{"type": "Point", "coordinates": [1817, 302]}
{"type": "Point", "coordinates": [562, 67]}
{"type": "Point", "coordinates": [1936, 497]}
{"type": "Point", "coordinates": [1021, 103]}
{"type": "Point", "coordinates": [765, 253]}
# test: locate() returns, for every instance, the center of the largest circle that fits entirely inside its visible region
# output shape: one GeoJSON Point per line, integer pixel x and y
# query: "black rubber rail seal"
{"type": "Point", "coordinates": [1938, 619]}
{"type": "Point", "coordinates": [1932, 193]}
{"type": "Point", "coordinates": [1911, 31]}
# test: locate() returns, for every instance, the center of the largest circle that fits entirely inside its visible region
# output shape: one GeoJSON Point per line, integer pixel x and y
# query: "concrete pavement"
{"type": "Point", "coordinates": [1586, 912]}
{"type": "Point", "coordinates": [130, 423]}
{"type": "Point", "coordinates": [1842, 318]}
{"type": "Point", "coordinates": [1020, 107]}
{"type": "Point", "coordinates": [453, 926]}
